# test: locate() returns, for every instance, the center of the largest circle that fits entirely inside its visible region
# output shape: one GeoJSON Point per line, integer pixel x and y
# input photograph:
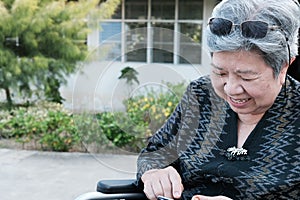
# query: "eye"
{"type": "Point", "coordinates": [247, 79]}
{"type": "Point", "coordinates": [221, 74]}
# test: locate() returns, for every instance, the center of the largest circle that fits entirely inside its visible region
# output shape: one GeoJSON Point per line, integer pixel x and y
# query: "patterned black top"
{"type": "Point", "coordinates": [196, 137]}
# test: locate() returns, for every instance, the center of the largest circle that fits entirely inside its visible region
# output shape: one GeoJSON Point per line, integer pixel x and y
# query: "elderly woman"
{"type": "Point", "coordinates": [236, 133]}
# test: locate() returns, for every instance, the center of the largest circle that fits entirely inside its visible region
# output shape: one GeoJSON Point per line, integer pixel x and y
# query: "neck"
{"type": "Point", "coordinates": [250, 119]}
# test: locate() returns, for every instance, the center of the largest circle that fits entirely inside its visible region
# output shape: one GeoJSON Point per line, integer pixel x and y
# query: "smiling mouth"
{"type": "Point", "coordinates": [239, 101]}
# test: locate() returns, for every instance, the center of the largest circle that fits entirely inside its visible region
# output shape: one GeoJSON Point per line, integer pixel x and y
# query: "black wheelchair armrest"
{"type": "Point", "coordinates": [125, 189]}
{"type": "Point", "coordinates": [118, 186]}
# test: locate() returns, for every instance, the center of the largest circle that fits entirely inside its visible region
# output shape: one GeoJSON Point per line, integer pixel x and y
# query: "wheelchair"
{"type": "Point", "coordinates": [123, 189]}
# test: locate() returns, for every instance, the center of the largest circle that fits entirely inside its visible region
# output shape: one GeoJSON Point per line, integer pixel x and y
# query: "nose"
{"type": "Point", "coordinates": [232, 86]}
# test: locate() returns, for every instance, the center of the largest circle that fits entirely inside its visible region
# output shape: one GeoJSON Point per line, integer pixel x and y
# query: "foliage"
{"type": "Point", "coordinates": [54, 128]}
{"type": "Point", "coordinates": [90, 133]}
{"type": "Point", "coordinates": [130, 75]}
{"type": "Point", "coordinates": [151, 108]}
{"type": "Point", "coordinates": [47, 124]}
{"type": "Point", "coordinates": [145, 113]}
{"type": "Point", "coordinates": [111, 128]}
{"type": "Point", "coordinates": [43, 41]}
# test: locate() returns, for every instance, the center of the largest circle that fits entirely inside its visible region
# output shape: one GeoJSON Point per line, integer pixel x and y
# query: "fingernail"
{"type": "Point", "coordinates": [177, 194]}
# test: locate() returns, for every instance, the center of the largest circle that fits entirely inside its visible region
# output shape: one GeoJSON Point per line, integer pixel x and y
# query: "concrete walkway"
{"type": "Point", "coordinates": [33, 175]}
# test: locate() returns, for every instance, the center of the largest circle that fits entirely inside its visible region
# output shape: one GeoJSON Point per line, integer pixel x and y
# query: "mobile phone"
{"type": "Point", "coordinates": [163, 198]}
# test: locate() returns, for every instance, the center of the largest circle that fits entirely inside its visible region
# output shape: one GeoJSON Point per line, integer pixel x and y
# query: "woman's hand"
{"type": "Point", "coordinates": [202, 197]}
{"type": "Point", "coordinates": [162, 182]}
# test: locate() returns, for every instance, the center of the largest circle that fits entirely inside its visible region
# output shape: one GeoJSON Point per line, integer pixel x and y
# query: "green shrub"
{"type": "Point", "coordinates": [91, 136]}
{"type": "Point", "coordinates": [112, 126]}
{"type": "Point", "coordinates": [60, 133]}
{"type": "Point", "coordinates": [53, 128]}
{"type": "Point", "coordinates": [151, 108]}
{"type": "Point", "coordinates": [145, 113]}
{"type": "Point", "coordinates": [47, 124]}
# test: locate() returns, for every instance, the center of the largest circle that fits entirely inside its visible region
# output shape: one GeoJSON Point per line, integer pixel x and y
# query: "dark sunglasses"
{"type": "Point", "coordinates": [249, 29]}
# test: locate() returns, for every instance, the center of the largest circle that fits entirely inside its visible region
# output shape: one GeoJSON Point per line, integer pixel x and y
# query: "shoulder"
{"type": "Point", "coordinates": [202, 81]}
{"type": "Point", "coordinates": [202, 90]}
{"type": "Point", "coordinates": [294, 84]}
{"type": "Point", "coordinates": [287, 105]}
{"type": "Point", "coordinates": [293, 90]}
{"type": "Point", "coordinates": [201, 85]}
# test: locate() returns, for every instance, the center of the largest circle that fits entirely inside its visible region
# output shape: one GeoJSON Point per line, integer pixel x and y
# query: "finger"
{"type": "Point", "coordinates": [149, 179]}
{"type": "Point", "coordinates": [148, 190]}
{"type": "Point", "coordinates": [202, 197]}
{"type": "Point", "coordinates": [167, 187]}
{"type": "Point", "coordinates": [176, 184]}
{"type": "Point", "coordinates": [158, 188]}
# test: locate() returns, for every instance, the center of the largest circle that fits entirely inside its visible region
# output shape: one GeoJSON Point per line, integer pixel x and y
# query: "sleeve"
{"type": "Point", "coordinates": [161, 150]}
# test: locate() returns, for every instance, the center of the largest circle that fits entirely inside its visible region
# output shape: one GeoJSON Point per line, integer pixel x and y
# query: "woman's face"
{"type": "Point", "coordinates": [245, 81]}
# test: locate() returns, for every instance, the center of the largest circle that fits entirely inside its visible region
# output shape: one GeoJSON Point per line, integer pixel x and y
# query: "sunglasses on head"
{"type": "Point", "coordinates": [249, 29]}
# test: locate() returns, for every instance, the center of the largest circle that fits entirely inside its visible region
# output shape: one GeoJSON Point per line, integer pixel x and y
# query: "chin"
{"type": "Point", "coordinates": [248, 111]}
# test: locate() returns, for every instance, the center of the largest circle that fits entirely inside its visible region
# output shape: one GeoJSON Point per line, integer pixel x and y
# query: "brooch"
{"type": "Point", "coordinates": [233, 153]}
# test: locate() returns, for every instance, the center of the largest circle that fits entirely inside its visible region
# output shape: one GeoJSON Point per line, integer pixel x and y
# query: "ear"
{"type": "Point", "coordinates": [293, 59]}
{"type": "Point", "coordinates": [284, 70]}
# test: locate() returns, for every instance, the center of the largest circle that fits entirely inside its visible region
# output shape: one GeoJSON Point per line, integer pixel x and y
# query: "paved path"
{"type": "Point", "coordinates": [33, 175]}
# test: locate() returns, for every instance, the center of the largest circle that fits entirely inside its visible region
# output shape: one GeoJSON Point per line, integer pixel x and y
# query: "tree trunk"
{"type": "Point", "coordinates": [8, 97]}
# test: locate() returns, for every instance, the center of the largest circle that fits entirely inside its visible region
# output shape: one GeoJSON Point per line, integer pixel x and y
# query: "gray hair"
{"type": "Point", "coordinates": [274, 46]}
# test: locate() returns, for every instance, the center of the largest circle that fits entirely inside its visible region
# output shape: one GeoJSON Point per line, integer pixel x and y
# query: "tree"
{"type": "Point", "coordinates": [130, 75]}
{"type": "Point", "coordinates": [43, 41]}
